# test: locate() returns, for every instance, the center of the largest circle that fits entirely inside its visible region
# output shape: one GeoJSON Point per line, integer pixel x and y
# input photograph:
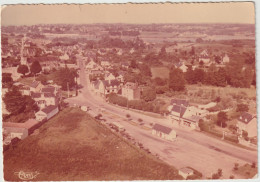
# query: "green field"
{"type": "Point", "coordinates": [161, 72]}
{"type": "Point", "coordinates": [73, 146]}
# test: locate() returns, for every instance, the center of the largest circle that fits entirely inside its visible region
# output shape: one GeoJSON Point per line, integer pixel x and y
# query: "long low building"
{"type": "Point", "coordinates": [164, 132]}
{"type": "Point", "coordinates": [19, 130]}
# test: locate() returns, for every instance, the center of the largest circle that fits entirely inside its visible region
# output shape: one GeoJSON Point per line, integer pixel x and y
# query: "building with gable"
{"type": "Point", "coordinates": [164, 132]}
{"type": "Point", "coordinates": [248, 123]}
{"type": "Point", "coordinates": [131, 91]}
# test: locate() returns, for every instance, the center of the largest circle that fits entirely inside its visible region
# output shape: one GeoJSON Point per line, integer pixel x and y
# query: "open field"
{"type": "Point", "coordinates": [161, 72]}
{"type": "Point", "coordinates": [73, 146]}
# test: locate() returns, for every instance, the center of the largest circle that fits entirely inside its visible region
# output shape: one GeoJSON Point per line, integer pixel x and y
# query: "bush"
{"type": "Point", "coordinates": [235, 166]}
{"type": "Point", "coordinates": [253, 165]}
{"type": "Point", "coordinates": [140, 120]}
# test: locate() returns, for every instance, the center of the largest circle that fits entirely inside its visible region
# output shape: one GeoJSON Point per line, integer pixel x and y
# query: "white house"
{"type": "Point", "coordinates": [164, 132]}
{"type": "Point", "coordinates": [225, 59]}
{"type": "Point", "coordinates": [110, 77]}
{"type": "Point", "coordinates": [47, 112]}
{"type": "Point", "coordinates": [181, 66]}
{"type": "Point", "coordinates": [44, 99]}
{"type": "Point", "coordinates": [248, 123]}
{"type": "Point", "coordinates": [64, 57]}
{"type": "Point", "coordinates": [90, 65]}
{"type": "Point", "coordinates": [104, 87]}
{"type": "Point", "coordinates": [185, 172]}
{"type": "Point", "coordinates": [131, 91]}
{"type": "Point", "coordinates": [105, 64]}
{"type": "Point", "coordinates": [120, 77]}
{"type": "Point", "coordinates": [204, 57]}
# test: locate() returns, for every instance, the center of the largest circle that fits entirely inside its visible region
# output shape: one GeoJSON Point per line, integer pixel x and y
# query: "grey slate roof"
{"type": "Point", "coordinates": [180, 102]}
{"type": "Point", "coordinates": [162, 128]}
{"type": "Point", "coordinates": [179, 109]}
{"type": "Point", "coordinates": [48, 89]}
{"type": "Point", "coordinates": [34, 84]}
{"type": "Point", "coordinates": [48, 109]}
{"type": "Point", "coordinates": [35, 95]}
{"type": "Point", "coordinates": [246, 118]}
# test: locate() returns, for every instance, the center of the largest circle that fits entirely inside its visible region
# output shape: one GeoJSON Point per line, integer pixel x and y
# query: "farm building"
{"type": "Point", "coordinates": [164, 132]}
{"type": "Point", "coordinates": [19, 130]}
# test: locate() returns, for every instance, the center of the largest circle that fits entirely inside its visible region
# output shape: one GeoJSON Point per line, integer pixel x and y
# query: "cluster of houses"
{"type": "Point", "coordinates": [47, 99]}
{"type": "Point", "coordinates": [187, 115]}
{"type": "Point", "coordinates": [204, 58]}
{"type": "Point", "coordinates": [106, 83]}
{"type": "Point", "coordinates": [181, 112]}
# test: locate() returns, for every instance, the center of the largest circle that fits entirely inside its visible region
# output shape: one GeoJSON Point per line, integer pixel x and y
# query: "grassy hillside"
{"type": "Point", "coordinates": [72, 146]}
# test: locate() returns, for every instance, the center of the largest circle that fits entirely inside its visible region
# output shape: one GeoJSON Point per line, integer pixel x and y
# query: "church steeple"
{"type": "Point", "coordinates": [23, 59]}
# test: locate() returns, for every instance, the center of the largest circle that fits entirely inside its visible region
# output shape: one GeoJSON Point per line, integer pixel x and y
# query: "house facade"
{"type": "Point", "coordinates": [131, 91]}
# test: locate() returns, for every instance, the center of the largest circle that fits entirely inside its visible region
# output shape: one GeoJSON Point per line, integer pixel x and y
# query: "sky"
{"type": "Point", "coordinates": [236, 12]}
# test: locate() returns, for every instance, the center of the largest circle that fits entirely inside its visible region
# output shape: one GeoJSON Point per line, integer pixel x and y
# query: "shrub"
{"type": "Point", "coordinates": [235, 166]}
{"type": "Point", "coordinates": [253, 165]}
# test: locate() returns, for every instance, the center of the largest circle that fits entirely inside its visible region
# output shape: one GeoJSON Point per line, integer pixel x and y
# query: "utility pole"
{"type": "Point", "coordinates": [76, 85]}
{"type": "Point", "coordinates": [68, 89]}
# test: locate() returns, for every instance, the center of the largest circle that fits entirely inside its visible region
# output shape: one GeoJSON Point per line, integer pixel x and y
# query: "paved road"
{"type": "Point", "coordinates": [194, 149]}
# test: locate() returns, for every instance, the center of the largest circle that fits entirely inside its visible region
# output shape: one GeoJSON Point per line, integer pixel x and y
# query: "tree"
{"type": "Point", "coordinates": [176, 80]}
{"type": "Point", "coordinates": [133, 64]}
{"type": "Point", "coordinates": [242, 108]}
{"type": "Point", "coordinates": [192, 52]}
{"type": "Point", "coordinates": [247, 77]}
{"type": "Point", "coordinates": [217, 59]}
{"type": "Point", "coordinates": [220, 77]}
{"type": "Point", "coordinates": [7, 79]}
{"type": "Point", "coordinates": [235, 166]}
{"type": "Point", "coordinates": [149, 94]}
{"type": "Point", "coordinates": [159, 81]}
{"type": "Point", "coordinates": [198, 75]}
{"type": "Point", "coordinates": [221, 119]}
{"type": "Point", "coordinates": [16, 103]}
{"type": "Point", "coordinates": [23, 69]}
{"type": "Point", "coordinates": [253, 165]}
{"type": "Point", "coordinates": [65, 77]}
{"type": "Point", "coordinates": [189, 75]}
{"type": "Point", "coordinates": [162, 53]}
{"type": "Point", "coordinates": [35, 68]}
{"type": "Point", "coordinates": [220, 172]}
{"type": "Point", "coordinates": [145, 70]}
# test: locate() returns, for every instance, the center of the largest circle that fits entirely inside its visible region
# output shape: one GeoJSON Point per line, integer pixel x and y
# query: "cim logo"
{"type": "Point", "coordinates": [26, 175]}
